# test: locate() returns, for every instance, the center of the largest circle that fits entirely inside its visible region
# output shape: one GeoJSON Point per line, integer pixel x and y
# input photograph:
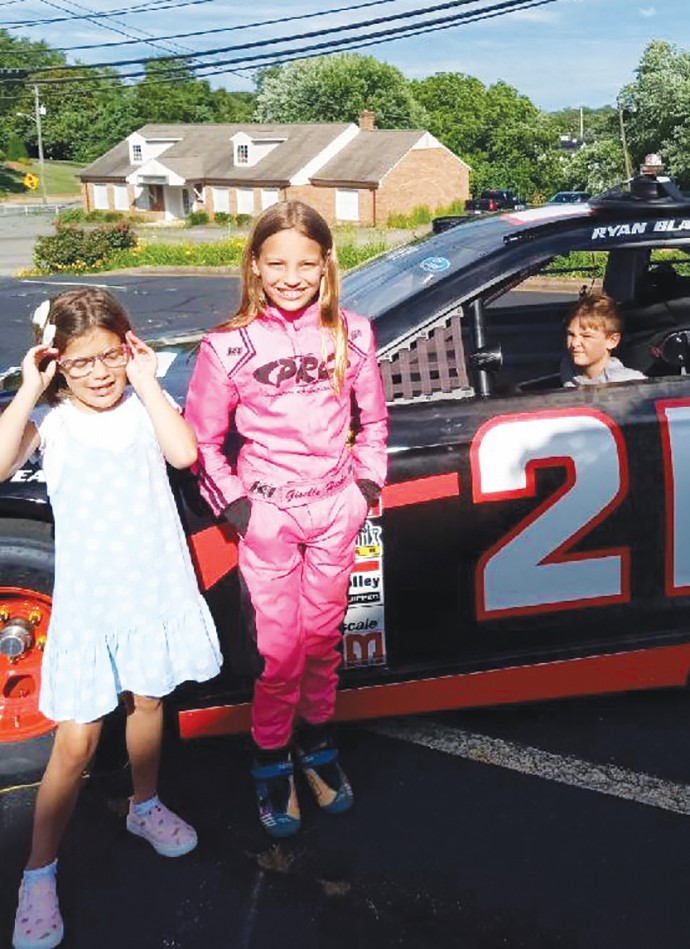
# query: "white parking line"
{"type": "Point", "coordinates": [75, 283]}
{"type": "Point", "coordinates": [604, 778]}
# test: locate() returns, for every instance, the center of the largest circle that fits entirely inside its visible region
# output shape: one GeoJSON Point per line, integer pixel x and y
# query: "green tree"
{"type": "Point", "coordinates": [83, 118]}
{"type": "Point", "coordinates": [16, 149]}
{"type": "Point", "coordinates": [170, 93]}
{"type": "Point", "coordinates": [504, 138]}
{"type": "Point", "coordinates": [233, 106]}
{"type": "Point", "coordinates": [337, 89]}
{"type": "Point", "coordinates": [20, 53]}
{"type": "Point", "coordinates": [596, 167]}
{"type": "Point", "coordinates": [596, 123]}
{"type": "Point", "coordinates": [456, 107]}
{"type": "Point", "coordinates": [657, 108]}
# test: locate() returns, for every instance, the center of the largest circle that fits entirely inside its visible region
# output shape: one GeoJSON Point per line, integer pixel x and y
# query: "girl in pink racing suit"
{"type": "Point", "coordinates": [289, 367]}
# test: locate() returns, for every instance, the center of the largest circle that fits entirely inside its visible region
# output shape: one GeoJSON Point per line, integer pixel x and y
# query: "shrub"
{"type": "Point", "coordinates": [71, 216]}
{"type": "Point", "coordinates": [61, 249]}
{"type": "Point", "coordinates": [398, 220]}
{"type": "Point", "coordinates": [196, 218]}
{"type": "Point", "coordinates": [107, 217]}
{"type": "Point", "coordinates": [243, 219]}
{"type": "Point", "coordinates": [78, 215]}
{"type": "Point", "coordinates": [350, 253]}
{"type": "Point", "coordinates": [105, 241]}
{"type": "Point", "coordinates": [216, 254]}
{"type": "Point", "coordinates": [16, 149]}
{"type": "Point", "coordinates": [222, 217]}
{"type": "Point", "coordinates": [419, 215]}
{"type": "Point", "coordinates": [72, 248]}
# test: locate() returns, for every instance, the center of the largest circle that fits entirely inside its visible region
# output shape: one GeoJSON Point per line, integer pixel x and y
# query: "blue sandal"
{"type": "Point", "coordinates": [326, 779]}
{"type": "Point", "coordinates": [277, 796]}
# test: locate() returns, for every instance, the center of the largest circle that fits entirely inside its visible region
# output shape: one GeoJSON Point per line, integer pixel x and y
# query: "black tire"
{"type": "Point", "coordinates": [26, 561]}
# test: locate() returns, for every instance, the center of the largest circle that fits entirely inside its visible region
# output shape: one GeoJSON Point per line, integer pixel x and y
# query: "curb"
{"type": "Point", "coordinates": [149, 270]}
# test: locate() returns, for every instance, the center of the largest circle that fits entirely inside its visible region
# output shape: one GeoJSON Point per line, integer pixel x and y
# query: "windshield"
{"type": "Point", "coordinates": [402, 273]}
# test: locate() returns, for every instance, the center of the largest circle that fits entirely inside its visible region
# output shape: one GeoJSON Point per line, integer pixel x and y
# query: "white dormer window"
{"type": "Point", "coordinates": [137, 154]}
{"type": "Point", "coordinates": [242, 155]}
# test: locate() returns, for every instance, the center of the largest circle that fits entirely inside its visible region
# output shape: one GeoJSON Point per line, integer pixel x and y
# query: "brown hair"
{"type": "Point", "coordinates": [295, 215]}
{"type": "Point", "coordinates": [597, 311]}
{"type": "Point", "coordinates": [74, 313]}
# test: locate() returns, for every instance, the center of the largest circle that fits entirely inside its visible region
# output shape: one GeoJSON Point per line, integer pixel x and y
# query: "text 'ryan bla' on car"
{"type": "Point", "coordinates": [532, 540]}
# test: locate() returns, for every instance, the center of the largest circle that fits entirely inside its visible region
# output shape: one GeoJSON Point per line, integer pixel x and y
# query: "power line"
{"type": "Point", "coordinates": [242, 26]}
{"type": "Point", "coordinates": [204, 71]}
{"type": "Point", "coordinates": [113, 29]}
{"type": "Point", "coordinates": [151, 7]}
{"type": "Point", "coordinates": [314, 49]}
{"type": "Point", "coordinates": [269, 59]}
{"type": "Point", "coordinates": [233, 29]}
{"type": "Point", "coordinates": [124, 11]}
{"type": "Point", "coordinates": [359, 25]}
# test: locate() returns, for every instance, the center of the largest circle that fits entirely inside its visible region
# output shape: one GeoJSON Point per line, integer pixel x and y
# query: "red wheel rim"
{"type": "Point", "coordinates": [20, 679]}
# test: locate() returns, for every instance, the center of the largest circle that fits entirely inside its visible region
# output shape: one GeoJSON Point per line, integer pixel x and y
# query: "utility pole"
{"type": "Point", "coordinates": [626, 154]}
{"type": "Point", "coordinates": [41, 162]}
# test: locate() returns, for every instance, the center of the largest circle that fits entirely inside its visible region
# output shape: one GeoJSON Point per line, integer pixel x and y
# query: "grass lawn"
{"type": "Point", "coordinates": [61, 178]}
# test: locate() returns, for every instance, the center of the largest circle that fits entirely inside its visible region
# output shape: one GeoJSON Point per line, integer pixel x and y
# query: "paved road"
{"type": "Point", "coordinates": [444, 850]}
{"type": "Point", "coordinates": [18, 233]}
{"type": "Point", "coordinates": [562, 825]}
{"type": "Point", "coordinates": [157, 304]}
{"type": "Point", "coordinates": [19, 230]}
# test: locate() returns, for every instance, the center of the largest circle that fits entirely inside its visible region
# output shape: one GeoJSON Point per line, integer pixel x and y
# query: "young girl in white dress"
{"type": "Point", "coordinates": [127, 619]}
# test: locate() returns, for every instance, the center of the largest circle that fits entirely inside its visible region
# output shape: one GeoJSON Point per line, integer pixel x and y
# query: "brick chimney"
{"type": "Point", "coordinates": [366, 120]}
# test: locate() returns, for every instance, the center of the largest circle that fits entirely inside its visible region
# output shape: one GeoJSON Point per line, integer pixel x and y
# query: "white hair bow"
{"type": "Point", "coordinates": [40, 320]}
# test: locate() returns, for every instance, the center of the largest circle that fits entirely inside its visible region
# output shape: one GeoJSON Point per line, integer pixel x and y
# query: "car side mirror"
{"type": "Point", "coordinates": [674, 349]}
{"type": "Point", "coordinates": [486, 358]}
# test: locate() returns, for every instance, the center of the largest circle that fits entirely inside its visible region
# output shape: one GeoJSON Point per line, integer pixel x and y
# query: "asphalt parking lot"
{"type": "Point", "coordinates": [554, 825]}
{"type": "Point", "coordinates": [460, 847]}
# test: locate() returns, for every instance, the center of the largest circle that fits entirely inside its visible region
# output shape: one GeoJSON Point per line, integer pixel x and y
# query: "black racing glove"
{"type": "Point", "coordinates": [238, 513]}
{"type": "Point", "coordinates": [370, 490]}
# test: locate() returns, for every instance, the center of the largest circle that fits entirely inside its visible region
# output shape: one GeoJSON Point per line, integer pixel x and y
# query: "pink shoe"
{"type": "Point", "coordinates": [167, 833]}
{"type": "Point", "coordinates": [38, 923]}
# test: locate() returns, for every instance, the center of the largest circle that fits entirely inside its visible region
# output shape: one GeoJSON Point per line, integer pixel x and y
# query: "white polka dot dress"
{"type": "Point", "coordinates": [127, 612]}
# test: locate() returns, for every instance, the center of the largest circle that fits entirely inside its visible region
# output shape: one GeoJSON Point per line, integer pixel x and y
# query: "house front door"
{"type": "Point", "coordinates": [156, 201]}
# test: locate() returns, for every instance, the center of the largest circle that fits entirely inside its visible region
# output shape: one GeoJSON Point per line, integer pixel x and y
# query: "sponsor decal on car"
{"type": "Point", "coordinates": [434, 264]}
{"type": "Point", "coordinates": [364, 637]}
{"type": "Point", "coordinates": [28, 475]}
{"type": "Point", "coordinates": [364, 641]}
{"type": "Point", "coordinates": [636, 228]}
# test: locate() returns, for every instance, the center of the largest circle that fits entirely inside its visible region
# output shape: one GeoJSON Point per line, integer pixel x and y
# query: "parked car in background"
{"type": "Point", "coordinates": [532, 540]}
{"type": "Point", "coordinates": [494, 200]}
{"type": "Point", "coordinates": [570, 197]}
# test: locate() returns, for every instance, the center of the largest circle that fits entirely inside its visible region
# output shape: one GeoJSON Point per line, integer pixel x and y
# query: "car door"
{"type": "Point", "coordinates": [532, 526]}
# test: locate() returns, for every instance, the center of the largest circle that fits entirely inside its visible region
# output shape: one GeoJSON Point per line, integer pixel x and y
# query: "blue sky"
{"type": "Point", "coordinates": [564, 53]}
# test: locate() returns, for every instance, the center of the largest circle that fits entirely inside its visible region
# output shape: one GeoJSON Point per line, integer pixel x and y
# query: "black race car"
{"type": "Point", "coordinates": [532, 541]}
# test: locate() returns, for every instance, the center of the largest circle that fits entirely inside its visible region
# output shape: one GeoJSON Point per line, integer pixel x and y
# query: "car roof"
{"type": "Point", "coordinates": [403, 290]}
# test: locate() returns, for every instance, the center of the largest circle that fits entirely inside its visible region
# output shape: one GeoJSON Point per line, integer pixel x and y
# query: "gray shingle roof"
{"type": "Point", "coordinates": [368, 157]}
{"type": "Point", "coordinates": [204, 151]}
{"type": "Point", "coordinates": [114, 164]}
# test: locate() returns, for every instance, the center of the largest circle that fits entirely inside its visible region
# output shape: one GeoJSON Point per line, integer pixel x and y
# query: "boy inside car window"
{"type": "Point", "coordinates": [593, 331]}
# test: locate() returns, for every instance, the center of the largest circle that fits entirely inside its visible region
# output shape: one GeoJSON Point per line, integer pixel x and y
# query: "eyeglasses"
{"type": "Point", "coordinates": [114, 358]}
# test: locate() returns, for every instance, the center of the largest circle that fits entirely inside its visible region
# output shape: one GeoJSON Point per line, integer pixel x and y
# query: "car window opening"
{"type": "Point", "coordinates": [431, 366]}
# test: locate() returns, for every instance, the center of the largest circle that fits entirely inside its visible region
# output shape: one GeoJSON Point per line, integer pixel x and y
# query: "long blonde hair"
{"type": "Point", "coordinates": [301, 217]}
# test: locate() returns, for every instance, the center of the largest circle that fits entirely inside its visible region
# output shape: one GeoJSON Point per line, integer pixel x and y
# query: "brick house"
{"type": "Point", "coordinates": [351, 173]}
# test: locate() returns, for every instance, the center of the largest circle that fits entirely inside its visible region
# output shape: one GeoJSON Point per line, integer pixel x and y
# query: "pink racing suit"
{"type": "Point", "coordinates": [299, 471]}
